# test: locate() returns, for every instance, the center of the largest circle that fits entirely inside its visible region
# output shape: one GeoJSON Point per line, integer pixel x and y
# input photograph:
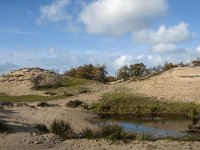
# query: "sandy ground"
{"type": "Point", "coordinates": [179, 84]}
{"type": "Point", "coordinates": [24, 136]}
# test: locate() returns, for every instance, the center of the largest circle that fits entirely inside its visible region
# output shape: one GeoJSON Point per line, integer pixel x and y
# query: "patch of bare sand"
{"type": "Point", "coordinates": [177, 84]}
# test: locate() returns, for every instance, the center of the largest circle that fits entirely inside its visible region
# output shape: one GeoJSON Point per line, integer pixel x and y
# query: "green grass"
{"type": "Point", "coordinates": [88, 133]}
{"type": "Point", "coordinates": [69, 86]}
{"type": "Point", "coordinates": [74, 82]}
{"type": "Point", "coordinates": [122, 103]}
{"type": "Point", "coordinates": [26, 98]}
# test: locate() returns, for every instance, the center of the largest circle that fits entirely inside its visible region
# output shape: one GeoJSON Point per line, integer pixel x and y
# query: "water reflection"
{"type": "Point", "coordinates": [161, 127]}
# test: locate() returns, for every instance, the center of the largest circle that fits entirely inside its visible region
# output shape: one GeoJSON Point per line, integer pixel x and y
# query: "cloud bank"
{"type": "Point", "coordinates": [165, 39]}
{"type": "Point", "coordinates": [117, 17]}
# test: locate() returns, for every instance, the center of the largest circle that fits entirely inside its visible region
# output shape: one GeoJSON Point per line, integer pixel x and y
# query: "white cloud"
{"type": "Point", "coordinates": [165, 48]}
{"type": "Point", "coordinates": [122, 60]}
{"type": "Point", "coordinates": [149, 60]}
{"type": "Point", "coordinates": [116, 17]}
{"type": "Point", "coordinates": [198, 48]}
{"type": "Point", "coordinates": [165, 39]}
{"type": "Point", "coordinates": [165, 35]}
{"type": "Point", "coordinates": [54, 12]}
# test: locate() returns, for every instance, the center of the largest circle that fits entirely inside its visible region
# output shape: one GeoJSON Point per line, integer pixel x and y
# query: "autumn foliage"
{"type": "Point", "coordinates": [89, 71]}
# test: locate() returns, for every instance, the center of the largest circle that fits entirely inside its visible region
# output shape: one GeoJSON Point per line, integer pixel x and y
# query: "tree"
{"type": "Point", "coordinates": [37, 80]}
{"type": "Point", "coordinates": [89, 71]}
{"type": "Point", "coordinates": [137, 70]}
{"type": "Point", "coordinates": [123, 73]}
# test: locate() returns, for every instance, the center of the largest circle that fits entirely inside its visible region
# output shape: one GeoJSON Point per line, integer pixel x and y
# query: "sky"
{"type": "Point", "coordinates": [60, 34]}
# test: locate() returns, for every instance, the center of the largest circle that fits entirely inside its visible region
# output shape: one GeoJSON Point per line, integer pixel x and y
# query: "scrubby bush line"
{"type": "Point", "coordinates": [89, 71]}
{"type": "Point", "coordinates": [122, 103]}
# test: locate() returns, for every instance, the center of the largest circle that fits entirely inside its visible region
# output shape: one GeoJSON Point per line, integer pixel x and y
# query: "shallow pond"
{"type": "Point", "coordinates": [157, 128]}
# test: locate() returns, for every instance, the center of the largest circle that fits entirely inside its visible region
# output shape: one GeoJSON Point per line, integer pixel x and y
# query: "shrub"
{"type": "Point", "coordinates": [74, 104]}
{"type": "Point", "coordinates": [62, 128]}
{"type": "Point", "coordinates": [8, 104]}
{"type": "Point", "coordinates": [67, 94]}
{"type": "Point", "coordinates": [43, 104]}
{"type": "Point", "coordinates": [113, 132]}
{"type": "Point", "coordinates": [37, 80]}
{"type": "Point", "coordinates": [50, 80]}
{"type": "Point", "coordinates": [168, 66]}
{"type": "Point", "coordinates": [190, 126]}
{"type": "Point", "coordinates": [134, 70]}
{"type": "Point", "coordinates": [3, 126]}
{"type": "Point", "coordinates": [90, 71]}
{"type": "Point", "coordinates": [137, 70]}
{"type": "Point", "coordinates": [50, 93]}
{"type": "Point", "coordinates": [196, 62]}
{"type": "Point", "coordinates": [123, 73]}
{"type": "Point", "coordinates": [42, 127]}
{"type": "Point", "coordinates": [88, 133]}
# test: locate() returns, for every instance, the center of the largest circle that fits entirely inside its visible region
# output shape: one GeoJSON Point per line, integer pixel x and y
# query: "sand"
{"type": "Point", "coordinates": [179, 84]}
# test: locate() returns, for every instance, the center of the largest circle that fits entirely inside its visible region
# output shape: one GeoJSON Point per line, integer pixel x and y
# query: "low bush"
{"type": "Point", "coordinates": [8, 104]}
{"type": "Point", "coordinates": [3, 126]}
{"type": "Point", "coordinates": [88, 133]}
{"type": "Point", "coordinates": [115, 133]}
{"type": "Point", "coordinates": [42, 127]}
{"type": "Point", "coordinates": [122, 103]}
{"type": "Point", "coordinates": [74, 104]}
{"type": "Point", "coordinates": [62, 129]}
{"type": "Point", "coordinates": [43, 104]}
{"type": "Point", "coordinates": [50, 93]}
{"type": "Point", "coordinates": [89, 71]}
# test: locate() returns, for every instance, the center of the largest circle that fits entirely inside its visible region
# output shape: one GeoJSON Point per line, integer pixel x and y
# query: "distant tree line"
{"type": "Point", "coordinates": [100, 72]}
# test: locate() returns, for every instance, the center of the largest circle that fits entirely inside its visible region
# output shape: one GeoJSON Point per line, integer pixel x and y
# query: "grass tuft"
{"type": "Point", "coordinates": [62, 129]}
{"type": "Point", "coordinates": [88, 133]}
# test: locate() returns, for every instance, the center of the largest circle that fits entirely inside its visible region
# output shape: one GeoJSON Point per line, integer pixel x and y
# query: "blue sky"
{"type": "Point", "coordinates": [61, 34]}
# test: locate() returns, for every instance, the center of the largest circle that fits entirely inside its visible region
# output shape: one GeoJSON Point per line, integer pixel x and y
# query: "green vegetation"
{"type": "Point", "coordinates": [62, 128]}
{"type": "Point", "coordinates": [74, 104]}
{"type": "Point", "coordinates": [115, 132]}
{"type": "Point", "coordinates": [144, 137]}
{"type": "Point", "coordinates": [42, 127]}
{"type": "Point", "coordinates": [27, 98]}
{"type": "Point", "coordinates": [43, 81]}
{"type": "Point", "coordinates": [92, 72]}
{"type": "Point", "coordinates": [43, 104]}
{"type": "Point", "coordinates": [134, 70]}
{"type": "Point", "coordinates": [140, 106]}
{"type": "Point", "coordinates": [75, 82]}
{"type": "Point", "coordinates": [196, 62]}
{"type": "Point", "coordinates": [70, 86]}
{"type": "Point", "coordinates": [88, 133]}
